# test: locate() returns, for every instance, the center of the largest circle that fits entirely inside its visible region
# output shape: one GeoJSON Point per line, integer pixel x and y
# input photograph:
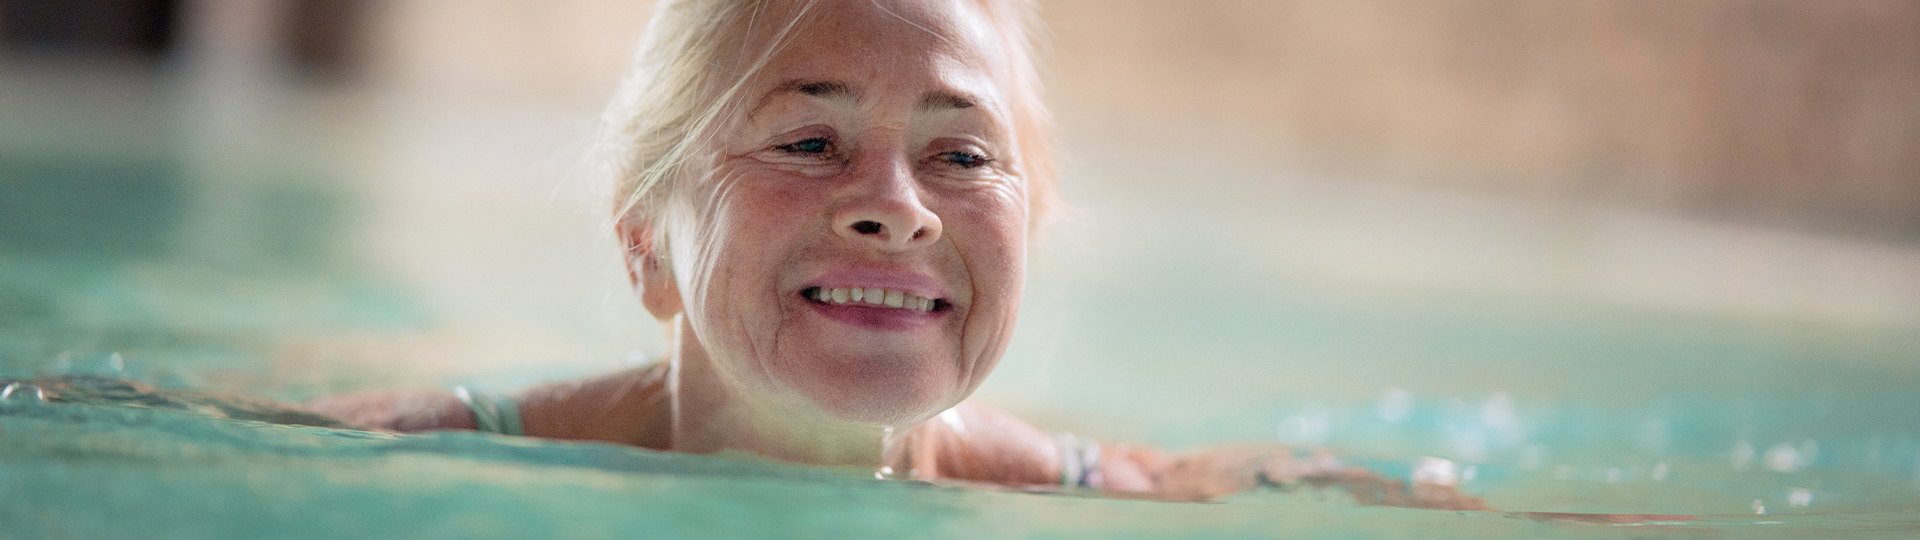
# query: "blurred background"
{"type": "Point", "coordinates": [1481, 230]}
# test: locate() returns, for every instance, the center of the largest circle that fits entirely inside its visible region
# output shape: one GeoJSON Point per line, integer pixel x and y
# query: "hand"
{"type": "Point", "coordinates": [1219, 472]}
{"type": "Point", "coordinates": [1368, 488]}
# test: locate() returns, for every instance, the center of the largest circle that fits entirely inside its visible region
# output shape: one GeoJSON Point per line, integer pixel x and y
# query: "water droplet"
{"type": "Point", "coordinates": [892, 451]}
{"type": "Point", "coordinates": [1758, 507]}
{"type": "Point", "coordinates": [1613, 475]}
{"type": "Point", "coordinates": [21, 390]}
{"type": "Point", "coordinates": [1660, 472]}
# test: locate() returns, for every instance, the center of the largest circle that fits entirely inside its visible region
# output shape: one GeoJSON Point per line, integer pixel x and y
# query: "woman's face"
{"type": "Point", "coordinates": [858, 237]}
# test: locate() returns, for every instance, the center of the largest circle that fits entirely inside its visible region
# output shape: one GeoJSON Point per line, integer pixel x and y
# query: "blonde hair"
{"type": "Point", "coordinates": [693, 64]}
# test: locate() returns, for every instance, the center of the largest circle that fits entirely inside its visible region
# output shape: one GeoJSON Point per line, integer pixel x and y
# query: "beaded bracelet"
{"type": "Point", "coordinates": [491, 413]}
{"type": "Point", "coordinates": [1079, 460]}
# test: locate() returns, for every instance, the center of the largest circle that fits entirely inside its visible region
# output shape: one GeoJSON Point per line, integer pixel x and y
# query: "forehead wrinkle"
{"type": "Point", "coordinates": [904, 19]}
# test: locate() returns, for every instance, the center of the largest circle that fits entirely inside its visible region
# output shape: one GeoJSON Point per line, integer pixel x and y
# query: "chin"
{"type": "Point", "coordinates": [882, 391]}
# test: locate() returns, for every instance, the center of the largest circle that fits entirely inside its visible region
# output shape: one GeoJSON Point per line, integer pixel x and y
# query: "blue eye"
{"type": "Point", "coordinates": [816, 145]}
{"type": "Point", "coordinates": [965, 160]}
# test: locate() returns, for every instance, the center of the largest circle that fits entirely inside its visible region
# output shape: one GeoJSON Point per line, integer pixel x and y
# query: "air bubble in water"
{"type": "Point", "coordinates": [19, 390]}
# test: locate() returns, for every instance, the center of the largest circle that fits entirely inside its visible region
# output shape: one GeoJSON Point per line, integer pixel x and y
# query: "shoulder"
{"type": "Point", "coordinates": [630, 407]}
{"type": "Point", "coordinates": [976, 442]}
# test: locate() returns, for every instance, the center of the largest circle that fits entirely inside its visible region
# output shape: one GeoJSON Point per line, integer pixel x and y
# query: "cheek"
{"type": "Point", "coordinates": [998, 224]}
{"type": "Point", "coordinates": [993, 227]}
{"type": "Point", "coordinates": [746, 229]}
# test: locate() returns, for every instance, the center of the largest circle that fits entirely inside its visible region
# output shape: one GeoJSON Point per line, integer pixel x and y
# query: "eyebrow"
{"type": "Point", "coordinates": [938, 99]}
{"type": "Point", "coordinates": [837, 90]}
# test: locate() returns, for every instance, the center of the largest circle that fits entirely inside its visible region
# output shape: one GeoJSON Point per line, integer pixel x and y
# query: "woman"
{"type": "Point", "coordinates": [827, 204]}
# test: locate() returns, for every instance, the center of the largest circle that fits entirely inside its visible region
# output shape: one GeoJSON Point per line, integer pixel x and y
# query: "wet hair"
{"type": "Point", "coordinates": [696, 59]}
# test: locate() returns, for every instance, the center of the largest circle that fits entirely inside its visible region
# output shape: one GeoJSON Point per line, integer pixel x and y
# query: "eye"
{"type": "Point", "coordinates": [813, 146]}
{"type": "Point", "coordinates": [964, 160]}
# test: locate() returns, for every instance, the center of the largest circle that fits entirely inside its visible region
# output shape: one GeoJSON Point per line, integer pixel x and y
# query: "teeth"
{"type": "Point", "coordinates": [871, 297]}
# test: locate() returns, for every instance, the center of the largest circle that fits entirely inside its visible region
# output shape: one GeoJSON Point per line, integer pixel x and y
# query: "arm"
{"type": "Point", "coordinates": [978, 443]}
{"type": "Point", "coordinates": [401, 411]}
{"type": "Point", "coordinates": [626, 407]}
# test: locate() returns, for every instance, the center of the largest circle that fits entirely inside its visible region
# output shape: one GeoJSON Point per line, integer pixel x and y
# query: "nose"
{"type": "Point", "coordinates": [882, 206]}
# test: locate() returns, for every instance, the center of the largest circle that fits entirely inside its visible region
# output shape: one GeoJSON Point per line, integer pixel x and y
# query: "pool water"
{"type": "Point", "coordinates": [94, 467]}
{"type": "Point", "coordinates": [1564, 363]}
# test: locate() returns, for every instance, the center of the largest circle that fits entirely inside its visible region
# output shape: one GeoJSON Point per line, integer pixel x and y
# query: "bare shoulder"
{"type": "Point", "coordinates": [629, 407]}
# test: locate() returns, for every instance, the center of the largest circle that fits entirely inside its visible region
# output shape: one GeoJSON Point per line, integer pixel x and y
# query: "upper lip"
{"type": "Point", "coordinates": [905, 281]}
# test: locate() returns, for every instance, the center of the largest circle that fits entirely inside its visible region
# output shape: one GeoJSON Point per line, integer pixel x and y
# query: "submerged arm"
{"type": "Point", "coordinates": [402, 411]}
{"type": "Point", "coordinates": [976, 443]}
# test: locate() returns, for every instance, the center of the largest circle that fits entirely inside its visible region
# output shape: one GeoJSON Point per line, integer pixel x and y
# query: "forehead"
{"type": "Point", "coordinates": [915, 49]}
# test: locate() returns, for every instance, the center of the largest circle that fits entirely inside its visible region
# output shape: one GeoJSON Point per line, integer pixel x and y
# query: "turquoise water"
{"type": "Point", "coordinates": [99, 470]}
{"type": "Point", "coordinates": [300, 254]}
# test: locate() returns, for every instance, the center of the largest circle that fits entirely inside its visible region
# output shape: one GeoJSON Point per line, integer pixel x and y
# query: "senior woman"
{"type": "Point", "coordinates": [828, 204]}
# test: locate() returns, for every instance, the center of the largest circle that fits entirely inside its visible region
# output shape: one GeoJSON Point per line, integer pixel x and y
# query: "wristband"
{"type": "Point", "coordinates": [491, 413]}
{"type": "Point", "coordinates": [1079, 460]}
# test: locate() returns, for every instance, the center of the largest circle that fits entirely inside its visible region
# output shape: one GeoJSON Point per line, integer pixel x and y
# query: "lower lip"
{"type": "Point", "coordinates": [877, 318]}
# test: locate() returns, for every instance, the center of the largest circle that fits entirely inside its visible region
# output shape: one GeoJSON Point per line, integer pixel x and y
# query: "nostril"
{"type": "Point", "coordinates": [867, 227]}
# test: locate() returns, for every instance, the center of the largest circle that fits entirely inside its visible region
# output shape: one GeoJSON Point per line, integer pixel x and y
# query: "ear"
{"type": "Point", "coordinates": [647, 269]}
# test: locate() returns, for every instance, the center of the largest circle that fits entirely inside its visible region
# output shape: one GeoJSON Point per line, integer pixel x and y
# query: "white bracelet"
{"type": "Point", "coordinates": [1079, 460]}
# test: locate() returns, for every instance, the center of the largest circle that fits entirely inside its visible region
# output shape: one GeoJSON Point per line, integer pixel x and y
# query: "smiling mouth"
{"type": "Point", "coordinates": [873, 298]}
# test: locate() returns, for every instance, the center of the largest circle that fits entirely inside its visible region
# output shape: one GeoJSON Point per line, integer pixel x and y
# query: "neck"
{"type": "Point", "coordinates": [712, 413]}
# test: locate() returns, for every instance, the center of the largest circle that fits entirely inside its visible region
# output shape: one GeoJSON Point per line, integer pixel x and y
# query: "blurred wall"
{"type": "Point", "coordinates": [1802, 115]}
{"type": "Point", "coordinates": [1795, 114]}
